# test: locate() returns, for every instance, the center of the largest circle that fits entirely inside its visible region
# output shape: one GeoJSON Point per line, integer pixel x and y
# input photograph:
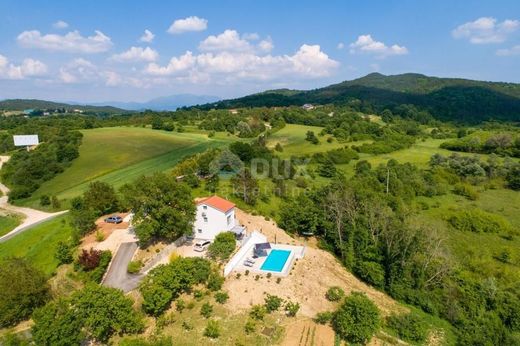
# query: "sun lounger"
{"type": "Point", "coordinates": [248, 264]}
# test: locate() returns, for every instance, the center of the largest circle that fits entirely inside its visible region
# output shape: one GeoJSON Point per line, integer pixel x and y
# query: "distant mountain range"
{"type": "Point", "coordinates": [164, 103]}
{"type": "Point", "coordinates": [23, 104]}
{"type": "Point", "coordinates": [445, 98]}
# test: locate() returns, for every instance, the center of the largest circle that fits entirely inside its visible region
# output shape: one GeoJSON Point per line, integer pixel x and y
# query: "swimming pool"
{"type": "Point", "coordinates": [276, 260]}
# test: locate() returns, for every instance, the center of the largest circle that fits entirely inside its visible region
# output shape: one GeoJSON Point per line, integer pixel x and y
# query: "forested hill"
{"type": "Point", "coordinates": [455, 99]}
{"type": "Point", "coordinates": [22, 104]}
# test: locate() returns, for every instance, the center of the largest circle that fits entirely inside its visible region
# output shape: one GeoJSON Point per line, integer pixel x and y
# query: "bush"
{"type": "Point", "coordinates": [371, 272]}
{"type": "Point", "coordinates": [465, 190]}
{"type": "Point", "coordinates": [291, 309]}
{"type": "Point", "coordinates": [357, 319]}
{"type": "Point", "coordinates": [89, 259]}
{"type": "Point", "coordinates": [97, 274]}
{"type": "Point", "coordinates": [273, 303]}
{"type": "Point", "coordinates": [134, 267]}
{"type": "Point", "coordinates": [180, 305]}
{"type": "Point", "coordinates": [206, 310]}
{"type": "Point", "coordinates": [215, 281]}
{"type": "Point", "coordinates": [156, 299]}
{"type": "Point", "coordinates": [221, 297]}
{"type": "Point", "coordinates": [250, 327]}
{"type": "Point", "coordinates": [334, 294]}
{"type": "Point", "coordinates": [409, 327]}
{"type": "Point", "coordinates": [63, 253]}
{"type": "Point", "coordinates": [257, 312]}
{"type": "Point", "coordinates": [323, 317]}
{"type": "Point", "coordinates": [23, 288]}
{"type": "Point", "coordinates": [223, 246]}
{"type": "Point", "coordinates": [45, 200]}
{"type": "Point", "coordinates": [212, 330]}
{"type": "Point", "coordinates": [478, 221]}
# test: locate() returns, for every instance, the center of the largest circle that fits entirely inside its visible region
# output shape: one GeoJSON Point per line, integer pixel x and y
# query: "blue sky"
{"type": "Point", "coordinates": [93, 51]}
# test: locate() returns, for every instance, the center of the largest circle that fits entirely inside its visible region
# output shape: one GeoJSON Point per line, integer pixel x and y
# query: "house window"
{"type": "Point", "coordinates": [204, 207]}
{"type": "Point", "coordinates": [199, 230]}
{"type": "Point", "coordinates": [205, 219]}
{"type": "Point", "coordinates": [229, 219]}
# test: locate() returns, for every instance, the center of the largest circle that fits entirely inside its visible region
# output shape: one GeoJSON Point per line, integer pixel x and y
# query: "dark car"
{"type": "Point", "coordinates": [114, 219]}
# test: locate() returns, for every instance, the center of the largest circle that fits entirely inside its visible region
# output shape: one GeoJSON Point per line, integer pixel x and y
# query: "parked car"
{"type": "Point", "coordinates": [114, 219]}
{"type": "Point", "coordinates": [201, 245]}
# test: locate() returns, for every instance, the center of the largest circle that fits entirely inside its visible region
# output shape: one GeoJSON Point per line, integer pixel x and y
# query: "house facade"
{"type": "Point", "coordinates": [215, 215]}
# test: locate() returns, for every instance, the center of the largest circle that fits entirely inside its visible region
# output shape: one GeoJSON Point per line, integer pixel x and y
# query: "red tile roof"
{"type": "Point", "coordinates": [218, 203]}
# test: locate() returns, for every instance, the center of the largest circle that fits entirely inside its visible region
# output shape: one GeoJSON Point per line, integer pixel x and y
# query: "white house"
{"type": "Point", "coordinates": [215, 215]}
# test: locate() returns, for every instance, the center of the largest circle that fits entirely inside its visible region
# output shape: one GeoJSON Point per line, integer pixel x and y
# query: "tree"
{"type": "Point", "coordinates": [98, 311]}
{"type": "Point", "coordinates": [311, 137]}
{"type": "Point", "coordinates": [63, 253]}
{"type": "Point", "coordinates": [212, 183]}
{"type": "Point", "coordinates": [299, 216]}
{"type": "Point", "coordinates": [163, 208]}
{"type": "Point", "coordinates": [23, 288]}
{"type": "Point", "coordinates": [101, 197]}
{"type": "Point", "coordinates": [357, 319]}
{"type": "Point", "coordinates": [245, 186]}
{"type": "Point", "coordinates": [223, 246]}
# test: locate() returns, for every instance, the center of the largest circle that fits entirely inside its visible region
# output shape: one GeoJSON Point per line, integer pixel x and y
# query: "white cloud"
{"type": "Point", "coordinates": [192, 23]}
{"type": "Point", "coordinates": [252, 36]}
{"type": "Point", "coordinates": [229, 40]}
{"type": "Point", "coordinates": [79, 70]}
{"type": "Point", "coordinates": [136, 54]}
{"type": "Point", "coordinates": [340, 45]}
{"type": "Point", "coordinates": [266, 45]}
{"type": "Point", "coordinates": [366, 44]}
{"type": "Point", "coordinates": [229, 66]}
{"type": "Point", "coordinates": [71, 42]}
{"type": "Point", "coordinates": [515, 50]}
{"type": "Point", "coordinates": [486, 30]}
{"type": "Point", "coordinates": [148, 36]}
{"type": "Point", "coordinates": [60, 24]}
{"type": "Point", "coordinates": [28, 68]}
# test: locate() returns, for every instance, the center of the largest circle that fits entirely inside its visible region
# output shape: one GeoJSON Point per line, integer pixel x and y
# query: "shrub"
{"type": "Point", "coordinates": [63, 253]}
{"type": "Point", "coordinates": [247, 272]}
{"type": "Point", "coordinates": [249, 327]}
{"type": "Point", "coordinates": [187, 325]}
{"type": "Point", "coordinates": [96, 275]}
{"type": "Point", "coordinates": [206, 310]}
{"type": "Point", "coordinates": [357, 319]}
{"type": "Point", "coordinates": [478, 221]}
{"type": "Point", "coordinates": [334, 294]}
{"type": "Point", "coordinates": [180, 305]}
{"type": "Point", "coordinates": [371, 272]}
{"type": "Point", "coordinates": [89, 259]}
{"type": "Point", "coordinates": [223, 246]}
{"type": "Point", "coordinates": [465, 190]}
{"type": "Point", "coordinates": [23, 288]}
{"type": "Point", "coordinates": [257, 312]}
{"type": "Point", "coordinates": [278, 280]}
{"type": "Point", "coordinates": [156, 299]}
{"type": "Point", "coordinates": [99, 236]}
{"type": "Point", "coordinates": [291, 309]}
{"type": "Point", "coordinates": [45, 200]}
{"type": "Point", "coordinates": [134, 267]}
{"type": "Point", "coordinates": [409, 327]}
{"type": "Point", "coordinates": [273, 303]}
{"type": "Point", "coordinates": [198, 294]}
{"type": "Point", "coordinates": [55, 202]}
{"type": "Point", "coordinates": [221, 297]}
{"type": "Point", "coordinates": [212, 330]}
{"type": "Point", "coordinates": [215, 281]}
{"type": "Point", "coordinates": [323, 317]}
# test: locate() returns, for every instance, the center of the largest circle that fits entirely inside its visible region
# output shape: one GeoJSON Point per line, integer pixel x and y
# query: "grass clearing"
{"type": "Point", "coordinates": [119, 155]}
{"type": "Point", "coordinates": [38, 244]}
{"type": "Point", "coordinates": [292, 139]}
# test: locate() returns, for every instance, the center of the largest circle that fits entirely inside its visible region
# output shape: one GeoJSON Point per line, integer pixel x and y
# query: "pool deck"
{"type": "Point", "coordinates": [297, 252]}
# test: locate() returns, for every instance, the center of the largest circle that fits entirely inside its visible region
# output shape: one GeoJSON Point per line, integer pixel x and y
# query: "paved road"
{"type": "Point", "coordinates": [31, 217]}
{"type": "Point", "coordinates": [117, 275]}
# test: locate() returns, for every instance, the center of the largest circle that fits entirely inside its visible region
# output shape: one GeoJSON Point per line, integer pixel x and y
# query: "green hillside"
{"type": "Point", "coordinates": [22, 104]}
{"type": "Point", "coordinates": [449, 99]}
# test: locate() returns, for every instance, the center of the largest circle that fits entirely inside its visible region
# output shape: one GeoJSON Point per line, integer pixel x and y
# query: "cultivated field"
{"type": "Point", "coordinates": [119, 155]}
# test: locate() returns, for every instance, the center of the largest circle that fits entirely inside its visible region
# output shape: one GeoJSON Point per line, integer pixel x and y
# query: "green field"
{"type": "Point", "coordinates": [119, 155]}
{"type": "Point", "coordinates": [8, 223]}
{"type": "Point", "coordinates": [38, 244]}
{"type": "Point", "coordinates": [292, 139]}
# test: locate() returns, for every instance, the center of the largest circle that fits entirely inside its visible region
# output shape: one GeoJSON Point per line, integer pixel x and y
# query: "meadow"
{"type": "Point", "coordinates": [38, 245]}
{"type": "Point", "coordinates": [8, 223]}
{"type": "Point", "coordinates": [119, 155]}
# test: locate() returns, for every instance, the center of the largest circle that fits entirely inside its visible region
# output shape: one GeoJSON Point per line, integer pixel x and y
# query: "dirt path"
{"type": "Point", "coordinates": [31, 217]}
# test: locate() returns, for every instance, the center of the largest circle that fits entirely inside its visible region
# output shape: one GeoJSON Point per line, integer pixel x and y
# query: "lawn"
{"type": "Point", "coordinates": [119, 155]}
{"type": "Point", "coordinates": [292, 139]}
{"type": "Point", "coordinates": [8, 223]}
{"type": "Point", "coordinates": [38, 244]}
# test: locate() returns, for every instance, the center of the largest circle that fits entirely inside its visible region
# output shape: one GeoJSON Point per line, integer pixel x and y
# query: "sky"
{"type": "Point", "coordinates": [95, 51]}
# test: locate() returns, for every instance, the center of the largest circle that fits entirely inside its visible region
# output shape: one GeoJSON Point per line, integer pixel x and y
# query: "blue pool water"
{"type": "Point", "coordinates": [276, 260]}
